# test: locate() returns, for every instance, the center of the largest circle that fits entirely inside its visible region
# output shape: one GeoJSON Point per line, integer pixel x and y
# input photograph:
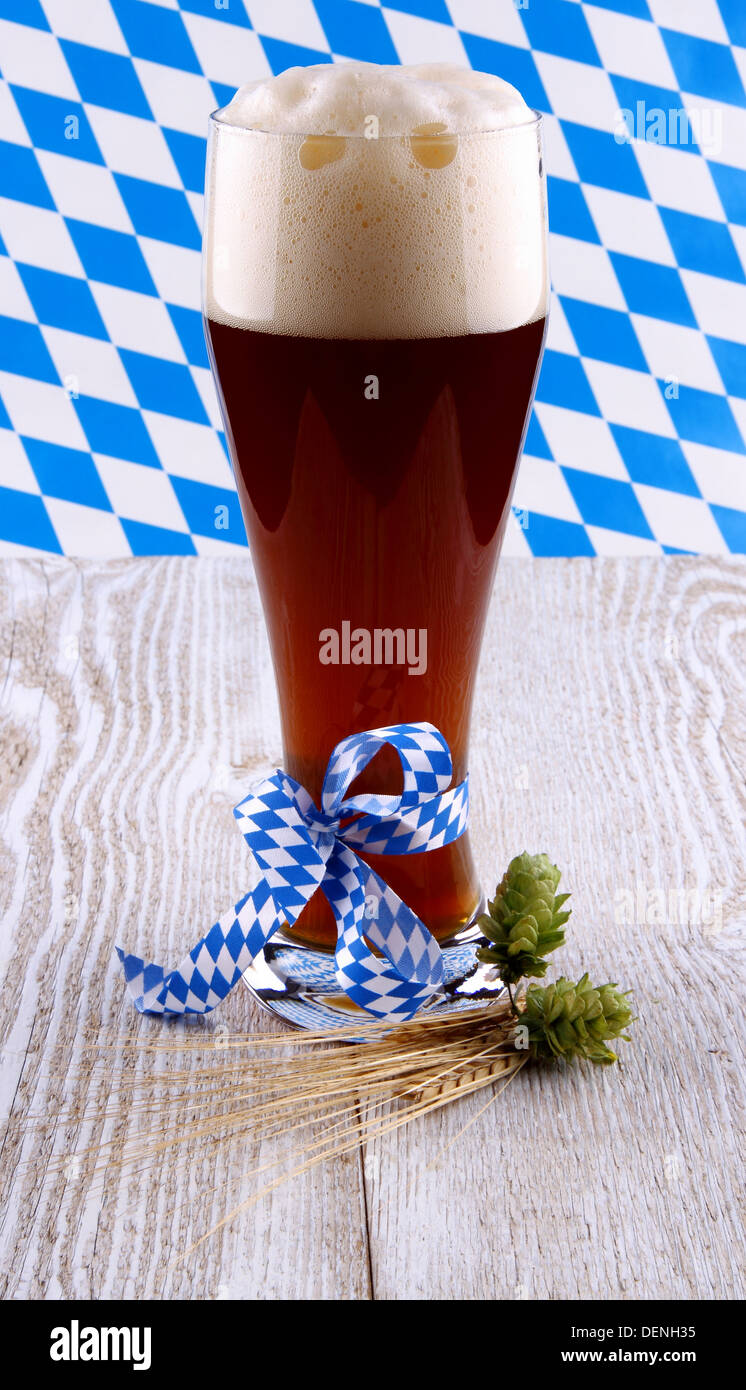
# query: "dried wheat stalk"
{"type": "Point", "coordinates": [328, 1095]}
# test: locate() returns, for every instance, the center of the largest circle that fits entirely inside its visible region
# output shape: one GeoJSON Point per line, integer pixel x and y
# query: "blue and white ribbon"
{"type": "Point", "coordinates": [300, 848]}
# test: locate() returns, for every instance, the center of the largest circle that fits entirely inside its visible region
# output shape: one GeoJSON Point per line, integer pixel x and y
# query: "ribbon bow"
{"type": "Point", "coordinates": [300, 848]}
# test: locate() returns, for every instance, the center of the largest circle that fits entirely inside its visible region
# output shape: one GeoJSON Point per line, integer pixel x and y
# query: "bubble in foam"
{"type": "Point", "coordinates": [432, 145]}
{"type": "Point", "coordinates": [318, 150]}
{"type": "Point", "coordinates": [434, 227]}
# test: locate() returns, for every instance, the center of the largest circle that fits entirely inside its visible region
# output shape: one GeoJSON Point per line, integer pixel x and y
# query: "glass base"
{"type": "Point", "coordinates": [299, 983]}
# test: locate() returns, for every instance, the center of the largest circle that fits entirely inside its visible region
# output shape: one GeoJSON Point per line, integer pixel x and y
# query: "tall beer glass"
{"type": "Point", "coordinates": [375, 312]}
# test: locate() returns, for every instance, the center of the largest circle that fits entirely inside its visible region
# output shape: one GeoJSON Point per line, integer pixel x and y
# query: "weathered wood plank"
{"type": "Point", "coordinates": [609, 731]}
{"type": "Point", "coordinates": [137, 700]}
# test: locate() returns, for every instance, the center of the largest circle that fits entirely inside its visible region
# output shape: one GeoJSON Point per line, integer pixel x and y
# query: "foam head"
{"type": "Point", "coordinates": [356, 201]}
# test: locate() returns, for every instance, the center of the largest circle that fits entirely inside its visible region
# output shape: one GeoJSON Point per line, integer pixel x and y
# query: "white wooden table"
{"type": "Point", "coordinates": [138, 702]}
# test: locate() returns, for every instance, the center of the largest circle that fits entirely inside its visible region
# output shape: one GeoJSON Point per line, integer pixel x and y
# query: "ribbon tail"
{"type": "Point", "coordinates": [392, 989]}
{"type": "Point", "coordinates": [144, 982]}
{"type": "Point", "coordinates": [211, 969]}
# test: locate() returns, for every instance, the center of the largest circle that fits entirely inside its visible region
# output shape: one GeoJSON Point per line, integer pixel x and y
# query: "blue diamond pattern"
{"type": "Point", "coordinates": [570, 213]}
{"type": "Point", "coordinates": [649, 248]}
{"type": "Point", "coordinates": [356, 31]}
{"type": "Point", "coordinates": [116, 429]}
{"type": "Point", "coordinates": [731, 185]}
{"type": "Point", "coordinates": [561, 30]}
{"type": "Point", "coordinates": [167, 387]}
{"type": "Point", "coordinates": [63, 301]}
{"type": "Point", "coordinates": [731, 361]}
{"type": "Point", "coordinates": [653, 289]}
{"type": "Point", "coordinates": [163, 213]}
{"type": "Point", "coordinates": [110, 256]}
{"type": "Point", "coordinates": [156, 33]}
{"type": "Point", "coordinates": [210, 511]}
{"type": "Point", "coordinates": [69, 474]}
{"type": "Point", "coordinates": [699, 244]}
{"type": "Point", "coordinates": [189, 154]}
{"type": "Point", "coordinates": [23, 350]}
{"type": "Point", "coordinates": [659, 100]}
{"type": "Point", "coordinates": [606, 334]}
{"type": "Point", "coordinates": [655, 460]}
{"type": "Point", "coordinates": [601, 159]}
{"type": "Point", "coordinates": [515, 64]}
{"type": "Point", "coordinates": [705, 419]}
{"type": "Point", "coordinates": [24, 520]}
{"type": "Point", "coordinates": [106, 79]}
{"type": "Point", "coordinates": [24, 12]}
{"type": "Point", "coordinates": [704, 67]}
{"type": "Point", "coordinates": [20, 176]}
{"type": "Point", "coordinates": [733, 526]}
{"type": "Point", "coordinates": [563, 382]}
{"type": "Point", "coordinates": [599, 498]}
{"type": "Point", "coordinates": [154, 540]}
{"type": "Point", "coordinates": [54, 123]}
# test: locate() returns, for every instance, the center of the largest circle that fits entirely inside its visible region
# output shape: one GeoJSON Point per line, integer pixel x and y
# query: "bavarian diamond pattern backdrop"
{"type": "Point", "coordinates": [110, 440]}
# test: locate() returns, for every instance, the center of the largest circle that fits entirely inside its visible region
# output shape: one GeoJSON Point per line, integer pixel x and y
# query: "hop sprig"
{"type": "Point", "coordinates": [571, 1020]}
{"type": "Point", "coordinates": [524, 920]}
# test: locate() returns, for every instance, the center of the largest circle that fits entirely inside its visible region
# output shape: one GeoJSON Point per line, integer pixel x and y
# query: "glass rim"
{"type": "Point", "coordinates": [534, 123]}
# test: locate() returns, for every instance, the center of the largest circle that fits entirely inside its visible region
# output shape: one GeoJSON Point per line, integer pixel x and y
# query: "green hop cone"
{"type": "Point", "coordinates": [575, 1020]}
{"type": "Point", "coordinates": [524, 921]}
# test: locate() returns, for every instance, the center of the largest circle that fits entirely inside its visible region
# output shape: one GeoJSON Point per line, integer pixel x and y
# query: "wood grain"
{"type": "Point", "coordinates": [137, 701]}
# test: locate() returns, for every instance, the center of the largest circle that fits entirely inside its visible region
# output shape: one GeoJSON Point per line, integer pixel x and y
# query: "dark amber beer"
{"type": "Point", "coordinates": [374, 433]}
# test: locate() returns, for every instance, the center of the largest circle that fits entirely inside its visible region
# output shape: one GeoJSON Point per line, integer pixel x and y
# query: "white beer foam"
{"type": "Point", "coordinates": [341, 96]}
{"type": "Point", "coordinates": [350, 200]}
